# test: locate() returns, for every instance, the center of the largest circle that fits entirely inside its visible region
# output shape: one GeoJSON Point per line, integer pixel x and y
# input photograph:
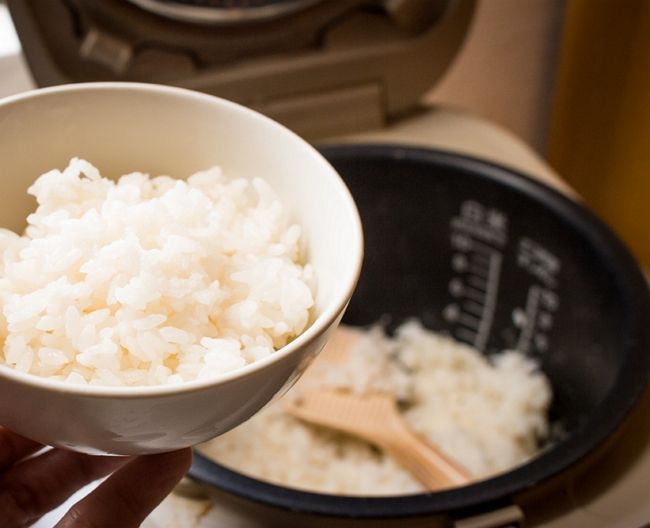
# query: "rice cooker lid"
{"type": "Point", "coordinates": [223, 11]}
{"type": "Point", "coordinates": [341, 67]}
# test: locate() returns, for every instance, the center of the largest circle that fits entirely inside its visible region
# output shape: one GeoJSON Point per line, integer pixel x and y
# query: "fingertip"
{"type": "Point", "coordinates": [186, 456]}
{"type": "Point", "coordinates": [13, 448]}
{"type": "Point", "coordinates": [173, 463]}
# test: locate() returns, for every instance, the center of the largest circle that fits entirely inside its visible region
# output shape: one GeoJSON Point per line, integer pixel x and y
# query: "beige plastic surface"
{"type": "Point", "coordinates": [508, 517]}
{"type": "Point", "coordinates": [458, 131]}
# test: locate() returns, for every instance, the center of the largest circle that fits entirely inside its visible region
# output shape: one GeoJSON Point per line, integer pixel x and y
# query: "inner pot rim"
{"type": "Point", "coordinates": [609, 415]}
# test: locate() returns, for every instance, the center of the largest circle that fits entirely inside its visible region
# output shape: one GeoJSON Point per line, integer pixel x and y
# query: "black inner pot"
{"type": "Point", "coordinates": [448, 237]}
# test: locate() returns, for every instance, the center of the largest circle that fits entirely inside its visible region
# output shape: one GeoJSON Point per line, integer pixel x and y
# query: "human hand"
{"type": "Point", "coordinates": [30, 488]}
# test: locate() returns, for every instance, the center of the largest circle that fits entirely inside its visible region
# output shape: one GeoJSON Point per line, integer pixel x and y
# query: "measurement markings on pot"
{"type": "Point", "coordinates": [477, 233]}
{"type": "Point", "coordinates": [538, 261]}
{"type": "Point", "coordinates": [535, 319]}
{"type": "Point", "coordinates": [526, 319]}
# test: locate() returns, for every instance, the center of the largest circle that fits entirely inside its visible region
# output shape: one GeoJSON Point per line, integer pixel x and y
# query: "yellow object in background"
{"type": "Point", "coordinates": [600, 132]}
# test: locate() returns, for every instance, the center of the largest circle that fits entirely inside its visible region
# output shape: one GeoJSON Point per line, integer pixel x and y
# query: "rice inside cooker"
{"type": "Point", "coordinates": [488, 414]}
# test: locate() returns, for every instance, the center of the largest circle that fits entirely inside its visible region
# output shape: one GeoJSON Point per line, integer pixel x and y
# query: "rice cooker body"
{"type": "Point", "coordinates": [559, 286]}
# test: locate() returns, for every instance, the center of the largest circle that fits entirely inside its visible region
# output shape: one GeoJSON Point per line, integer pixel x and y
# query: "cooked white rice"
{"type": "Point", "coordinates": [488, 415]}
{"type": "Point", "coordinates": [150, 281]}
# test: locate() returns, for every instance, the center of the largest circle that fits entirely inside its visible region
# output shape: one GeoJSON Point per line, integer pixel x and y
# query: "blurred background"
{"type": "Point", "coordinates": [570, 78]}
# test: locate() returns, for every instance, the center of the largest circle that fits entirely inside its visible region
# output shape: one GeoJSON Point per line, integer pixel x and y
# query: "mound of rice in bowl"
{"type": "Point", "coordinates": [149, 281]}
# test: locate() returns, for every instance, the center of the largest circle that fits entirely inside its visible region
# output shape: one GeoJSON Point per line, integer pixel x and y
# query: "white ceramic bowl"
{"type": "Point", "coordinates": [122, 127]}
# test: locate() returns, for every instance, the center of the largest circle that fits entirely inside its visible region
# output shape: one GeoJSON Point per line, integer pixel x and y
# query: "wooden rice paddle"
{"type": "Point", "coordinates": [376, 418]}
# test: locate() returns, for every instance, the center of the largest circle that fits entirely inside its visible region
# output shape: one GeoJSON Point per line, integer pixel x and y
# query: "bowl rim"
{"type": "Point", "coordinates": [318, 326]}
{"type": "Point", "coordinates": [628, 387]}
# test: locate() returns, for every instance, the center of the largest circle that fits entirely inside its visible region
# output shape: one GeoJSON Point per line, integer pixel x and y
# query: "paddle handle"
{"type": "Point", "coordinates": [425, 462]}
